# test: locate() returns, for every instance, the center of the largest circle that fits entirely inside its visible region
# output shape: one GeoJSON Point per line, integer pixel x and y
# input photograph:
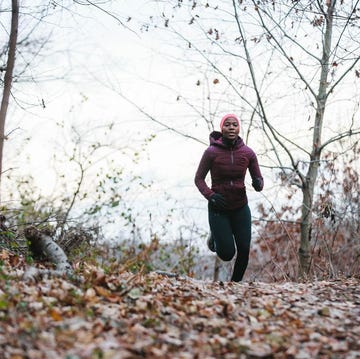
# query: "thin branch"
{"type": "Point", "coordinates": [289, 37]}
{"type": "Point", "coordinates": [162, 124]}
{"type": "Point", "coordinates": [339, 137]}
{"type": "Point", "coordinates": [220, 72]}
{"type": "Point", "coordinates": [74, 196]}
{"type": "Point", "coordinates": [175, 92]}
{"type": "Point", "coordinates": [255, 108]}
{"type": "Point", "coordinates": [292, 64]}
{"type": "Point", "coordinates": [252, 73]}
{"type": "Point", "coordinates": [106, 12]}
{"type": "Point", "coordinates": [346, 25]}
{"type": "Point", "coordinates": [342, 76]}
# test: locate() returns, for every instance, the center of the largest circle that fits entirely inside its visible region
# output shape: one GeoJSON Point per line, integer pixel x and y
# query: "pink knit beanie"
{"type": "Point", "coordinates": [226, 117]}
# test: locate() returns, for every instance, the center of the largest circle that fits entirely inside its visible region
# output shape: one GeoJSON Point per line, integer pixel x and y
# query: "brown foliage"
{"type": "Point", "coordinates": [335, 235]}
{"type": "Point", "coordinates": [118, 314]}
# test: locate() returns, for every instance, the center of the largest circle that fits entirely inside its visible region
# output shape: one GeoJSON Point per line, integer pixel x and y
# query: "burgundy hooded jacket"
{"type": "Point", "coordinates": [228, 166]}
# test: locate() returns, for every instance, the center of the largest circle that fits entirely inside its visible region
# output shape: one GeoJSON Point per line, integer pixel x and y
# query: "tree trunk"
{"type": "Point", "coordinates": [8, 78]}
{"type": "Point", "coordinates": [312, 173]}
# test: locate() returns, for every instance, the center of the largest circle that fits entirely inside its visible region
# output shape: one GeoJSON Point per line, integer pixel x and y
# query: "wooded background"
{"type": "Point", "coordinates": [289, 69]}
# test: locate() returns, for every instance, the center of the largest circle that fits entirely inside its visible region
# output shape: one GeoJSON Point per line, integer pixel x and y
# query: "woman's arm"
{"type": "Point", "coordinates": [201, 173]}
{"type": "Point", "coordinates": [255, 173]}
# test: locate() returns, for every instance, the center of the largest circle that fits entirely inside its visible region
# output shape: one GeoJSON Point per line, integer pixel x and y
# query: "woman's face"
{"type": "Point", "coordinates": [230, 129]}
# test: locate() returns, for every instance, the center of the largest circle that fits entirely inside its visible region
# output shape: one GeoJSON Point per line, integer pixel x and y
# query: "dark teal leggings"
{"type": "Point", "coordinates": [230, 228]}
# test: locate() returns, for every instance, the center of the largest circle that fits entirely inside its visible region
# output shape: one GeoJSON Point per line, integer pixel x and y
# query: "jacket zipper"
{"type": "Point", "coordinates": [232, 162]}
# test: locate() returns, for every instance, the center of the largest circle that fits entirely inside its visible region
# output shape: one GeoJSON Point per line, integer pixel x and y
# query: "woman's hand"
{"type": "Point", "coordinates": [218, 201]}
{"type": "Point", "coordinates": [258, 184]}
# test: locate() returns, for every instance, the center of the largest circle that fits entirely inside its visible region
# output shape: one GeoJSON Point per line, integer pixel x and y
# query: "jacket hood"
{"type": "Point", "coordinates": [216, 140]}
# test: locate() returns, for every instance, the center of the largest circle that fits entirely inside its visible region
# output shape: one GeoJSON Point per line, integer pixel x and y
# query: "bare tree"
{"type": "Point", "coordinates": [328, 18]}
{"type": "Point", "coordinates": [8, 78]}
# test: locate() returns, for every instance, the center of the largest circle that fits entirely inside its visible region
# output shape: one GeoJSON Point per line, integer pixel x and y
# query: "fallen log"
{"type": "Point", "coordinates": [41, 244]}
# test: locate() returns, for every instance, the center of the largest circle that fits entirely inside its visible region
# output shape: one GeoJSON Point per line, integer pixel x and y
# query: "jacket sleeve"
{"type": "Point", "coordinates": [255, 173]}
{"type": "Point", "coordinates": [202, 171]}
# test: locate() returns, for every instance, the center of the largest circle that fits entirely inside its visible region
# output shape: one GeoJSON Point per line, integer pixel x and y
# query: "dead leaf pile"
{"type": "Point", "coordinates": [125, 315]}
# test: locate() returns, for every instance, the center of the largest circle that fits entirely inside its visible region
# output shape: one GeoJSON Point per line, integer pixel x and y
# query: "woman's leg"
{"type": "Point", "coordinates": [221, 231]}
{"type": "Point", "coordinates": [241, 227]}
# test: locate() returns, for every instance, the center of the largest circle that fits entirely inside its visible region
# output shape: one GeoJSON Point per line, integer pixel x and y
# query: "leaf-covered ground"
{"type": "Point", "coordinates": [125, 315]}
